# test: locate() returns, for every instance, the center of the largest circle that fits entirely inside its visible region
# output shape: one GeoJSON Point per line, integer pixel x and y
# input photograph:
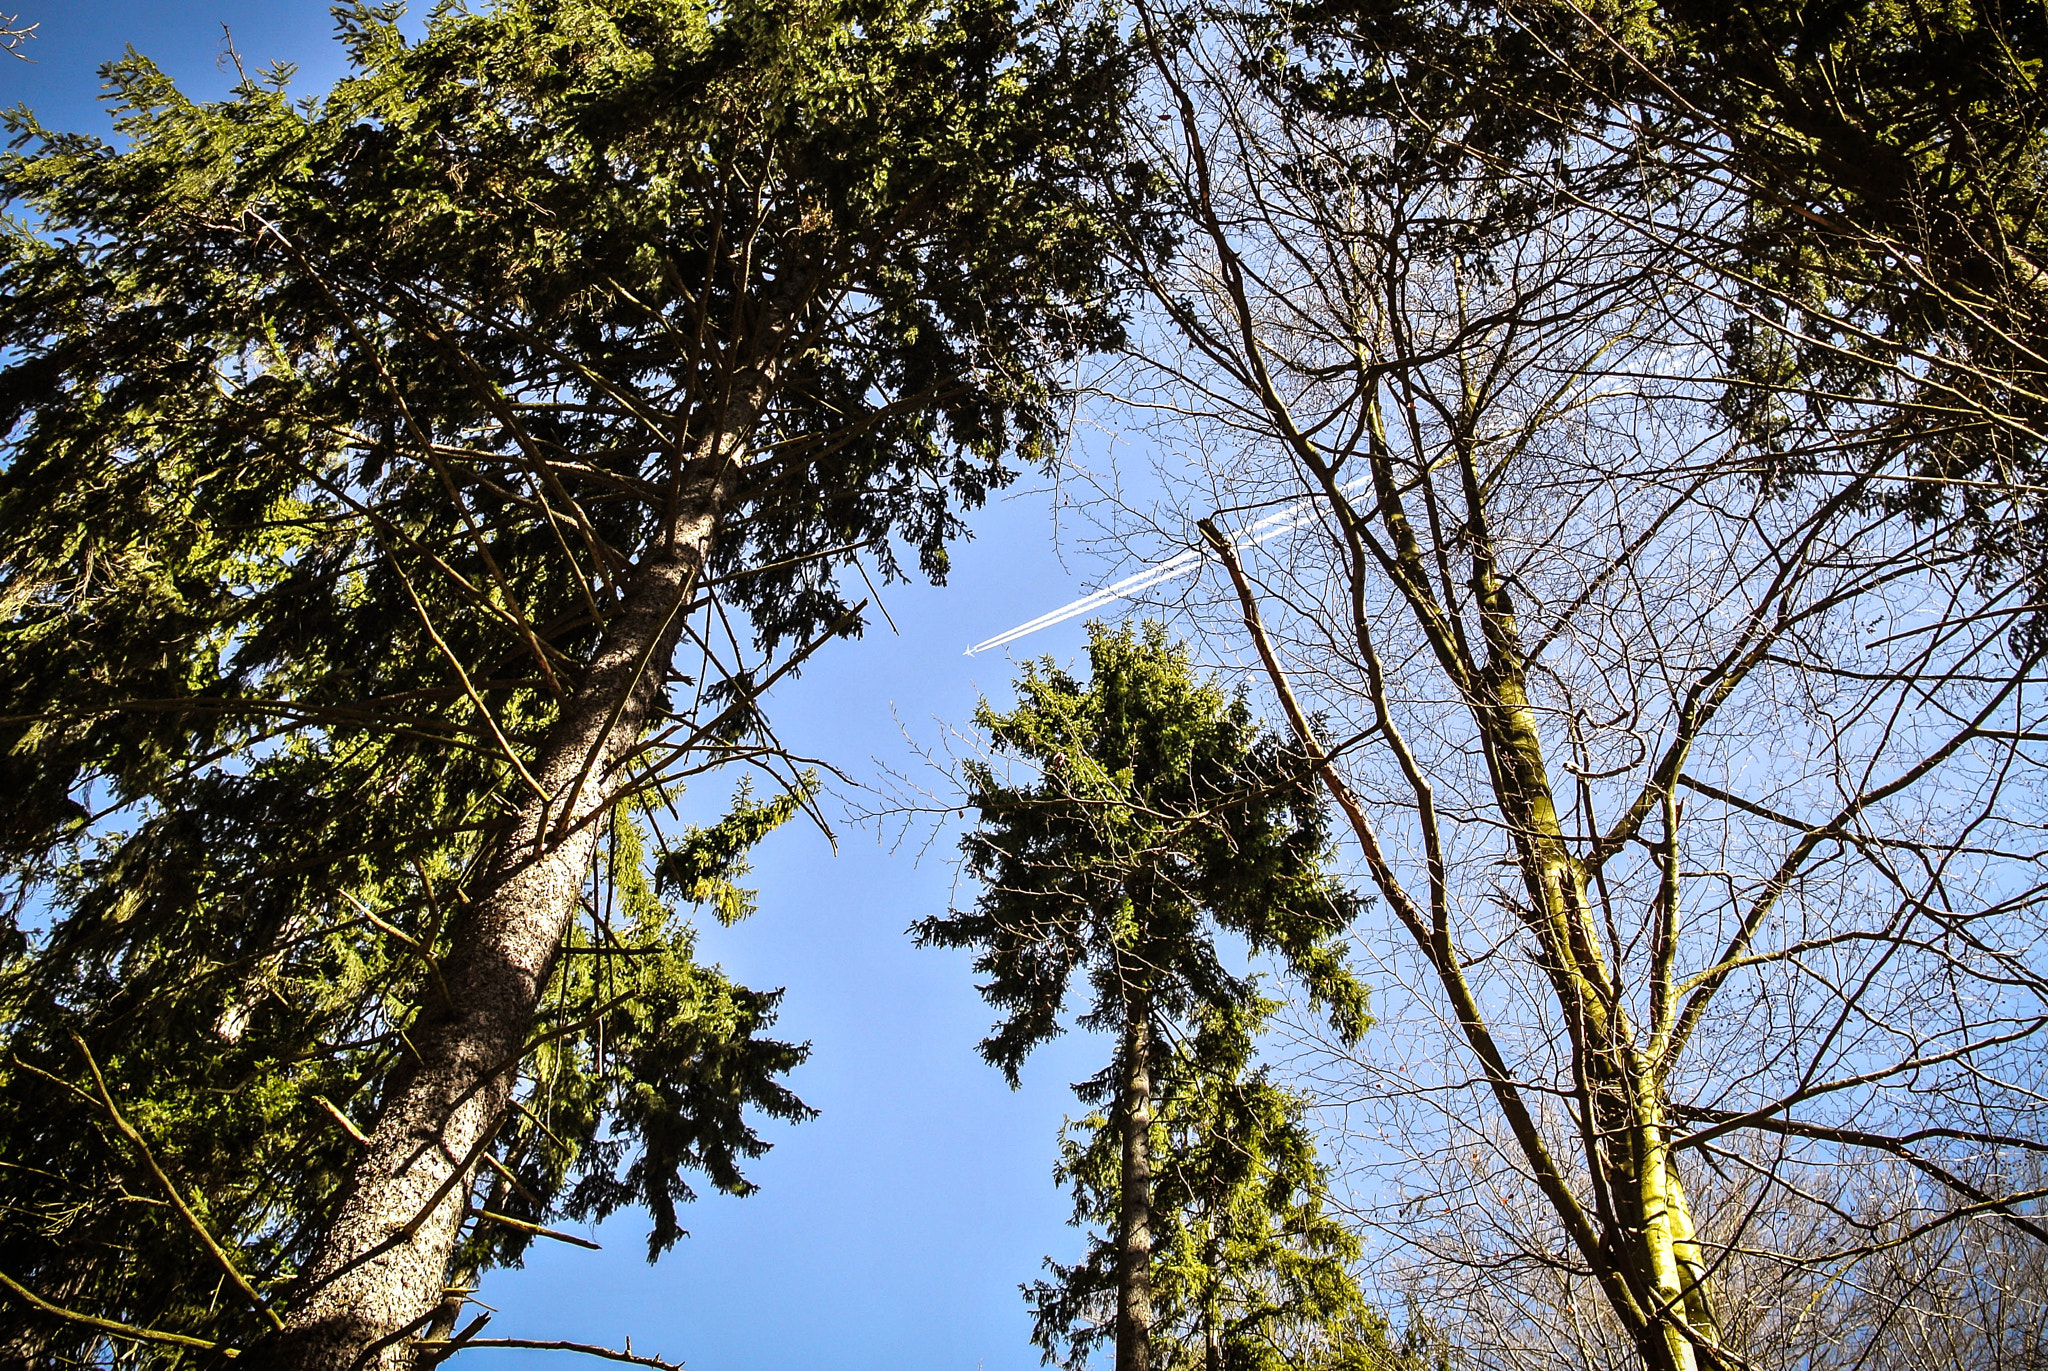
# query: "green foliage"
{"type": "Point", "coordinates": [659, 1071]}
{"type": "Point", "coordinates": [1159, 818]}
{"type": "Point", "coordinates": [1250, 1271]}
{"type": "Point", "coordinates": [279, 372]}
{"type": "Point", "coordinates": [646, 1066]}
{"type": "Point", "coordinates": [704, 864]}
{"type": "Point", "coordinates": [1864, 108]}
{"type": "Point", "coordinates": [333, 431]}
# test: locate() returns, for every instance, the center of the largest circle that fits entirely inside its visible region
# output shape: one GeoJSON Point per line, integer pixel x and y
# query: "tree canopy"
{"type": "Point", "coordinates": [1158, 818]}
{"type": "Point", "coordinates": [369, 460]}
{"type": "Point", "coordinates": [1880, 168]}
{"type": "Point", "coordinates": [1618, 426]}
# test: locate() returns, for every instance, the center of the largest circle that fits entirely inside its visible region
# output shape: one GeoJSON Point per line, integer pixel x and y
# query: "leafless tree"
{"type": "Point", "coordinates": [1701, 801]}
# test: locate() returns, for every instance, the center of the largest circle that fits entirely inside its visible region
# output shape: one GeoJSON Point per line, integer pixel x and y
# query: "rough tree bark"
{"type": "Point", "coordinates": [1134, 1212]}
{"type": "Point", "coordinates": [378, 1277]}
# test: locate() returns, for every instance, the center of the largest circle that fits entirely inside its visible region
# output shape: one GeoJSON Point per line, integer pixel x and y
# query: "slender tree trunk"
{"type": "Point", "coordinates": [1692, 1263]}
{"type": "Point", "coordinates": [1657, 1183]}
{"type": "Point", "coordinates": [1134, 1215]}
{"type": "Point", "coordinates": [1640, 1243]}
{"type": "Point", "coordinates": [376, 1280]}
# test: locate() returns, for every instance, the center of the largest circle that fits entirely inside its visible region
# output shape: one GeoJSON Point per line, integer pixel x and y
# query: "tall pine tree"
{"type": "Point", "coordinates": [1158, 821]}
{"type": "Point", "coordinates": [368, 462]}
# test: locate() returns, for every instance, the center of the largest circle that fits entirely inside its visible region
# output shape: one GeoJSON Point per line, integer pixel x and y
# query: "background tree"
{"type": "Point", "coordinates": [1250, 1272]}
{"type": "Point", "coordinates": [1878, 225]}
{"type": "Point", "coordinates": [1157, 822]}
{"type": "Point", "coordinates": [369, 461]}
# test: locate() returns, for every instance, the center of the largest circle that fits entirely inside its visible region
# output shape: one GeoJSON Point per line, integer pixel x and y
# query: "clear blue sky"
{"type": "Point", "coordinates": [893, 1231]}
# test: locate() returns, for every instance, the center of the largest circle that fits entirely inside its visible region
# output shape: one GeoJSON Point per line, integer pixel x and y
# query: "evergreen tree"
{"type": "Point", "coordinates": [243, 1084]}
{"type": "Point", "coordinates": [367, 461]}
{"type": "Point", "coordinates": [1250, 1271]}
{"type": "Point", "coordinates": [1159, 820]}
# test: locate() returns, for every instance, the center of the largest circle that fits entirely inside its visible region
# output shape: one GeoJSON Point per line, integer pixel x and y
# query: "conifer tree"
{"type": "Point", "coordinates": [1250, 1270]}
{"type": "Point", "coordinates": [1160, 820]}
{"type": "Point", "coordinates": [240, 1081]}
{"type": "Point", "coordinates": [368, 462]}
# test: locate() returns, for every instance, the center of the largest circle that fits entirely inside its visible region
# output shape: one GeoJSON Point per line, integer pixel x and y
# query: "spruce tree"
{"type": "Point", "coordinates": [368, 460]}
{"type": "Point", "coordinates": [1158, 820]}
{"type": "Point", "coordinates": [1251, 1272]}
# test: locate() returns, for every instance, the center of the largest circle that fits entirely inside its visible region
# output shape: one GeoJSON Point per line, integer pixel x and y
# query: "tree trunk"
{"type": "Point", "coordinates": [1657, 1198]}
{"type": "Point", "coordinates": [1640, 1243]}
{"type": "Point", "coordinates": [1692, 1263]}
{"type": "Point", "coordinates": [376, 1279]}
{"type": "Point", "coordinates": [1134, 1215]}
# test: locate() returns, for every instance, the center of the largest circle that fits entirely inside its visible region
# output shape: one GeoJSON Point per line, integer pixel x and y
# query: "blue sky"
{"type": "Point", "coordinates": [894, 1230]}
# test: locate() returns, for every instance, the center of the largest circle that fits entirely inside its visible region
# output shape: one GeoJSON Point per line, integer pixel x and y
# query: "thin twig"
{"type": "Point", "coordinates": [525, 1227]}
{"type": "Point", "coordinates": [587, 1349]}
{"type": "Point", "coordinates": [518, 1186]}
{"type": "Point", "coordinates": [347, 1124]}
{"type": "Point", "coordinates": [13, 33]}
{"type": "Point", "coordinates": [433, 1353]}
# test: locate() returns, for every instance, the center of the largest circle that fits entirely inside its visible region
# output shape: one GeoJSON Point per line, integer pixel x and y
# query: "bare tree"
{"type": "Point", "coordinates": [1702, 802]}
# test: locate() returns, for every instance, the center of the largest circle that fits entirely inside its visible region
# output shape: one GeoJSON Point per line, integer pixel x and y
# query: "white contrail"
{"type": "Point", "coordinates": [1180, 564]}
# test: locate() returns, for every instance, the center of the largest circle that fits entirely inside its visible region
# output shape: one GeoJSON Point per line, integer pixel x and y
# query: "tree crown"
{"type": "Point", "coordinates": [1160, 818]}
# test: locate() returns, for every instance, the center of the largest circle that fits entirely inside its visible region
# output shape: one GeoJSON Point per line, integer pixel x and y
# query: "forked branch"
{"type": "Point", "coordinates": [14, 33]}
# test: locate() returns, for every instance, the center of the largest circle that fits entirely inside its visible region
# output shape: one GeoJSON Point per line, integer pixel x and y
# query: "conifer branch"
{"type": "Point", "coordinates": [525, 1226]}
{"type": "Point", "coordinates": [519, 1187]}
{"type": "Point", "coordinates": [111, 1326]}
{"type": "Point", "coordinates": [192, 1220]}
{"type": "Point", "coordinates": [434, 1351]}
{"type": "Point", "coordinates": [347, 1124]}
{"type": "Point", "coordinates": [587, 1349]}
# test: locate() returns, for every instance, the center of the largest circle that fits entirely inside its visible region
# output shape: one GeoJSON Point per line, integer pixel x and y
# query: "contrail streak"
{"type": "Point", "coordinates": [1180, 564]}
